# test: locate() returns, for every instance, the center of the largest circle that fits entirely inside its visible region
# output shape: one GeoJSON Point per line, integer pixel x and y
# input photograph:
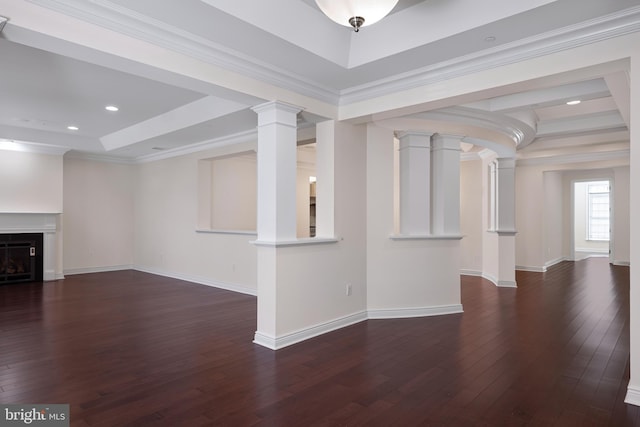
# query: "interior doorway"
{"type": "Point", "coordinates": [592, 219]}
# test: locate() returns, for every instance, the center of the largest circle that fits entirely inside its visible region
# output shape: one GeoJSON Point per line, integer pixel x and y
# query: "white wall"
{"type": "Point", "coordinates": [554, 210]}
{"type": "Point", "coordinates": [312, 279]}
{"type": "Point", "coordinates": [621, 226]}
{"type": "Point", "coordinates": [404, 277]}
{"type": "Point", "coordinates": [471, 216]}
{"type": "Point", "coordinates": [531, 240]}
{"type": "Point", "coordinates": [98, 215]}
{"type": "Point", "coordinates": [633, 394]}
{"type": "Point", "coordinates": [165, 221]}
{"type": "Point", "coordinates": [234, 192]}
{"type": "Point", "coordinates": [30, 182]}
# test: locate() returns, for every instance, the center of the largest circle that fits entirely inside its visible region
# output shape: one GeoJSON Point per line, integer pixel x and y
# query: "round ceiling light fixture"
{"type": "Point", "coordinates": [112, 108]}
{"type": "Point", "coordinates": [72, 127]}
{"type": "Point", "coordinates": [574, 102]}
{"type": "Point", "coordinates": [356, 13]}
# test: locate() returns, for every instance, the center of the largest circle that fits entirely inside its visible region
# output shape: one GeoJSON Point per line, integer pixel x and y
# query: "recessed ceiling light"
{"type": "Point", "coordinates": [111, 108]}
{"type": "Point", "coordinates": [574, 102]}
{"type": "Point", "coordinates": [73, 128]}
{"type": "Point", "coordinates": [490, 39]}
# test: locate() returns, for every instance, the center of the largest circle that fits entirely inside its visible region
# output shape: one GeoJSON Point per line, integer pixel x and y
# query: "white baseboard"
{"type": "Point", "coordinates": [490, 278]}
{"type": "Point", "coordinates": [633, 396]}
{"type": "Point", "coordinates": [507, 284]}
{"type": "Point", "coordinates": [199, 280]}
{"type": "Point", "coordinates": [86, 270]}
{"type": "Point", "coordinates": [622, 263]}
{"type": "Point", "coordinates": [276, 343]}
{"type": "Point", "coordinates": [475, 273]}
{"type": "Point", "coordinates": [592, 251]}
{"type": "Point", "coordinates": [531, 269]}
{"type": "Point", "coordinates": [553, 262]}
{"type": "Point", "coordinates": [414, 312]}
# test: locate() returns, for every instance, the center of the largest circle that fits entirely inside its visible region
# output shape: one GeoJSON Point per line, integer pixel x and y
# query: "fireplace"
{"type": "Point", "coordinates": [30, 230]}
{"type": "Point", "coordinates": [20, 257]}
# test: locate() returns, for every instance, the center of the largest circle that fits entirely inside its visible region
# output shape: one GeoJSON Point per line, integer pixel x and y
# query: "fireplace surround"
{"type": "Point", "coordinates": [45, 225]}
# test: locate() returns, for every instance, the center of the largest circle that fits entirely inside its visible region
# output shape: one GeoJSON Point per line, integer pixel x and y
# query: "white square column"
{"type": "Point", "coordinates": [445, 188]}
{"type": "Point", "coordinates": [277, 140]}
{"type": "Point", "coordinates": [505, 221]}
{"type": "Point", "coordinates": [277, 164]}
{"type": "Point", "coordinates": [506, 195]}
{"type": "Point", "coordinates": [415, 182]}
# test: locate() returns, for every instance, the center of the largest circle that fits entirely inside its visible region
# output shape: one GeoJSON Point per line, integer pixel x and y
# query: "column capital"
{"type": "Point", "coordinates": [414, 139]}
{"type": "Point", "coordinates": [506, 162]}
{"type": "Point", "coordinates": [277, 112]}
{"type": "Point", "coordinates": [446, 142]}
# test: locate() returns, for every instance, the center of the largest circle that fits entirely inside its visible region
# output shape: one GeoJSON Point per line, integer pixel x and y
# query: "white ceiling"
{"type": "Point", "coordinates": [48, 82]}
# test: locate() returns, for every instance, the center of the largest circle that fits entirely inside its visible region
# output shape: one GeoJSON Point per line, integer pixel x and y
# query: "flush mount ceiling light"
{"type": "Point", "coordinates": [71, 127]}
{"type": "Point", "coordinates": [112, 108]}
{"type": "Point", "coordinates": [356, 13]}
{"type": "Point", "coordinates": [574, 102]}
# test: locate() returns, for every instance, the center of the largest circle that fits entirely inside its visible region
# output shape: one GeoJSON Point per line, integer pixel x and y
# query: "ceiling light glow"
{"type": "Point", "coordinates": [574, 102]}
{"type": "Point", "coordinates": [73, 127]}
{"type": "Point", "coordinates": [111, 108]}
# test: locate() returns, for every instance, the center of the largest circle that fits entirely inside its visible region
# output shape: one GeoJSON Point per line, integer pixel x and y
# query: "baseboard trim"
{"type": "Point", "coordinates": [88, 270]}
{"type": "Point", "coordinates": [490, 278]}
{"type": "Point", "coordinates": [622, 263]}
{"type": "Point", "coordinates": [399, 313]}
{"type": "Point", "coordinates": [276, 343]}
{"type": "Point", "coordinates": [531, 269]}
{"type": "Point", "coordinates": [199, 280]}
{"type": "Point", "coordinates": [553, 262]}
{"type": "Point", "coordinates": [507, 284]}
{"type": "Point", "coordinates": [474, 273]}
{"type": "Point", "coordinates": [633, 396]}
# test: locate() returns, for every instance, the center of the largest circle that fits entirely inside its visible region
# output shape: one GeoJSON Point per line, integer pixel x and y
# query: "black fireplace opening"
{"type": "Point", "coordinates": [21, 257]}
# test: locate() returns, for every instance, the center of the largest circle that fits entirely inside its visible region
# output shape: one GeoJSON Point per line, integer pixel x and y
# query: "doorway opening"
{"type": "Point", "coordinates": [592, 219]}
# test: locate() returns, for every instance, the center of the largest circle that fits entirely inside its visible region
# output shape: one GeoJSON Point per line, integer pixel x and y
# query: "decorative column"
{"type": "Point", "coordinates": [415, 182]}
{"type": "Point", "coordinates": [445, 188]}
{"type": "Point", "coordinates": [505, 221]}
{"type": "Point", "coordinates": [277, 139]}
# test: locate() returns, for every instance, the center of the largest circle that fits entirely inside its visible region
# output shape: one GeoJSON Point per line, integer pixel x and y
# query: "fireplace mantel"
{"type": "Point", "coordinates": [36, 222]}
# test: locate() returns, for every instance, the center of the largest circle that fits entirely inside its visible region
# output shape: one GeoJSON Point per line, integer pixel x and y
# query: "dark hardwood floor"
{"type": "Point", "coordinates": [132, 349]}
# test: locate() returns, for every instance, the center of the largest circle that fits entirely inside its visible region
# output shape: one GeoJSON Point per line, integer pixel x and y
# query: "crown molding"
{"type": "Point", "coordinates": [114, 17]}
{"type": "Point", "coordinates": [238, 138]}
{"type": "Point", "coordinates": [599, 29]}
{"type": "Point", "coordinates": [97, 157]}
{"type": "Point", "coordinates": [125, 21]}
{"type": "Point", "coordinates": [574, 158]}
{"type": "Point", "coordinates": [32, 147]}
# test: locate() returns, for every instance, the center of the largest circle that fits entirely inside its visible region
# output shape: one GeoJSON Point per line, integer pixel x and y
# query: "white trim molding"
{"type": "Point", "coordinates": [533, 269]}
{"type": "Point", "coordinates": [507, 284]}
{"type": "Point", "coordinates": [475, 273]}
{"type": "Point", "coordinates": [276, 343]}
{"type": "Point", "coordinates": [400, 313]}
{"type": "Point", "coordinates": [633, 395]}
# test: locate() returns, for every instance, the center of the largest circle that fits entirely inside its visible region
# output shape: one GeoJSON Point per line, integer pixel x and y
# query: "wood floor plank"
{"type": "Point", "coordinates": [132, 349]}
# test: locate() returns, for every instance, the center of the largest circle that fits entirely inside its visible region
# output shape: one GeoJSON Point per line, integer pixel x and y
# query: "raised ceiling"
{"type": "Point", "coordinates": [231, 55]}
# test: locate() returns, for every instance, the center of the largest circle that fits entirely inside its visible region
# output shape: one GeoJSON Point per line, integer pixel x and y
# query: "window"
{"type": "Point", "coordinates": [598, 205]}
